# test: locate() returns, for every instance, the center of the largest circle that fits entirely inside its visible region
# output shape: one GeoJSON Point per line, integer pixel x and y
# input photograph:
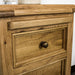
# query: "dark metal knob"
{"type": "Point", "coordinates": [43, 44]}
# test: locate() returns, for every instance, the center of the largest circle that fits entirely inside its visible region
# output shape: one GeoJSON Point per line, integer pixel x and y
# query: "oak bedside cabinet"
{"type": "Point", "coordinates": [36, 39]}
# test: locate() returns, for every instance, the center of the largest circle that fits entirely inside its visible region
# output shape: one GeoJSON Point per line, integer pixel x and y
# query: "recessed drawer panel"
{"type": "Point", "coordinates": [35, 44]}
{"type": "Point", "coordinates": [55, 64]}
{"type": "Point", "coordinates": [28, 45]}
{"type": "Point", "coordinates": [54, 69]}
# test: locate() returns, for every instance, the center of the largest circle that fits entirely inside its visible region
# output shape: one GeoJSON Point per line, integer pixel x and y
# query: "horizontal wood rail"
{"type": "Point", "coordinates": [22, 12]}
{"type": "Point", "coordinates": [34, 23]}
{"type": "Point", "coordinates": [39, 11]}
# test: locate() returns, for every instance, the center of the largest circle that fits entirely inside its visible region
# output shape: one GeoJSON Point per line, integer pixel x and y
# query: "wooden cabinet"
{"type": "Point", "coordinates": [36, 43]}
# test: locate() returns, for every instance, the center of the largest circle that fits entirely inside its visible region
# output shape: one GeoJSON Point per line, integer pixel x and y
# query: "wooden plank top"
{"type": "Point", "coordinates": [19, 10]}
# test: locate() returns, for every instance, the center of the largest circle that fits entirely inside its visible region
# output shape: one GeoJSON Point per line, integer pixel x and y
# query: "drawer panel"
{"type": "Point", "coordinates": [45, 61]}
{"type": "Point", "coordinates": [42, 64]}
{"type": "Point", "coordinates": [54, 69]}
{"type": "Point", "coordinates": [29, 45]}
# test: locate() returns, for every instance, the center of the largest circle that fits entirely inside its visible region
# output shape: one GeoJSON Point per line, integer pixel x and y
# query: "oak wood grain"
{"type": "Point", "coordinates": [21, 10]}
{"type": "Point", "coordinates": [6, 14]}
{"type": "Point", "coordinates": [54, 69]}
{"type": "Point", "coordinates": [69, 48]}
{"type": "Point", "coordinates": [1, 64]}
{"type": "Point", "coordinates": [60, 59]}
{"type": "Point", "coordinates": [39, 11]}
{"type": "Point", "coordinates": [5, 48]}
{"type": "Point", "coordinates": [35, 23]}
{"type": "Point", "coordinates": [39, 62]}
{"type": "Point", "coordinates": [26, 46]}
{"type": "Point", "coordinates": [30, 6]}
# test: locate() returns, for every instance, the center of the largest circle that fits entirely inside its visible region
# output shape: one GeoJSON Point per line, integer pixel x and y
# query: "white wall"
{"type": "Point", "coordinates": [1, 2]}
{"type": "Point", "coordinates": [64, 2]}
{"type": "Point", "coordinates": [73, 50]}
{"type": "Point", "coordinates": [58, 1]}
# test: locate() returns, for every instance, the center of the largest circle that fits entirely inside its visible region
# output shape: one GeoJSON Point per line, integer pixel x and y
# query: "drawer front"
{"type": "Point", "coordinates": [53, 64]}
{"type": "Point", "coordinates": [30, 45]}
{"type": "Point", "coordinates": [54, 69]}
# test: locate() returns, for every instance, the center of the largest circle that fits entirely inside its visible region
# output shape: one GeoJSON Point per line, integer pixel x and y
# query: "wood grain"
{"type": "Point", "coordinates": [34, 23]}
{"type": "Point", "coordinates": [6, 14]}
{"type": "Point", "coordinates": [26, 46]}
{"type": "Point", "coordinates": [56, 59]}
{"type": "Point", "coordinates": [39, 62]}
{"type": "Point", "coordinates": [5, 49]}
{"type": "Point", "coordinates": [1, 64]}
{"type": "Point", "coordinates": [39, 11]}
{"type": "Point", "coordinates": [14, 7]}
{"type": "Point", "coordinates": [54, 69]}
{"type": "Point", "coordinates": [39, 17]}
{"type": "Point", "coordinates": [21, 10]}
{"type": "Point", "coordinates": [69, 48]}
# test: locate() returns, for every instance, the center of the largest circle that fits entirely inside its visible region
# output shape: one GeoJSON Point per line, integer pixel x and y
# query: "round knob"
{"type": "Point", "coordinates": [43, 44]}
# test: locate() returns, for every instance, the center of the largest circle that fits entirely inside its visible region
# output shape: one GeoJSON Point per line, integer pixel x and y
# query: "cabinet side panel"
{"type": "Point", "coordinates": [1, 62]}
{"type": "Point", "coordinates": [1, 69]}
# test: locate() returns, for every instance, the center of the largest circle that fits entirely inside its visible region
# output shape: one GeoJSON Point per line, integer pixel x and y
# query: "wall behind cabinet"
{"type": "Point", "coordinates": [58, 2]}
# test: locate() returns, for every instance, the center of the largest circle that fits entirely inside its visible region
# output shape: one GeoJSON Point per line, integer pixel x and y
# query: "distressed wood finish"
{"type": "Point", "coordinates": [39, 11]}
{"type": "Point", "coordinates": [21, 33]}
{"type": "Point", "coordinates": [26, 45]}
{"type": "Point", "coordinates": [6, 14]}
{"type": "Point", "coordinates": [36, 63]}
{"type": "Point", "coordinates": [36, 23]}
{"type": "Point", "coordinates": [47, 70]}
{"type": "Point", "coordinates": [21, 10]}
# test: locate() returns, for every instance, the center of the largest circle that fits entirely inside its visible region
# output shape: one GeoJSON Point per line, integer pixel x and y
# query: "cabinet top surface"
{"type": "Point", "coordinates": [16, 10]}
{"type": "Point", "coordinates": [28, 7]}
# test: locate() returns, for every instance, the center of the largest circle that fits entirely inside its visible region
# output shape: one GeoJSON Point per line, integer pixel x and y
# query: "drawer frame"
{"type": "Point", "coordinates": [51, 29]}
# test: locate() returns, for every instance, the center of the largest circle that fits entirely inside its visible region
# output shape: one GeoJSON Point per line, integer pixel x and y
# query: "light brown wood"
{"type": "Point", "coordinates": [6, 14]}
{"type": "Point", "coordinates": [39, 11]}
{"type": "Point", "coordinates": [36, 63]}
{"type": "Point", "coordinates": [69, 48]}
{"type": "Point", "coordinates": [5, 48]}
{"type": "Point", "coordinates": [1, 65]}
{"type": "Point", "coordinates": [21, 10]}
{"type": "Point", "coordinates": [33, 23]}
{"type": "Point", "coordinates": [14, 7]}
{"type": "Point", "coordinates": [20, 37]}
{"type": "Point", "coordinates": [26, 45]}
{"type": "Point", "coordinates": [54, 69]}
{"type": "Point", "coordinates": [39, 17]}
